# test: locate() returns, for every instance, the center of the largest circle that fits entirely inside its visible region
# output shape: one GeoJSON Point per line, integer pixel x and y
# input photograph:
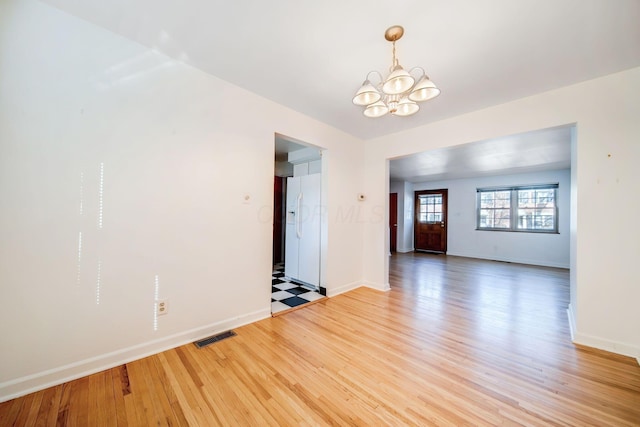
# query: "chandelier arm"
{"type": "Point", "coordinates": [424, 73]}
{"type": "Point", "coordinates": [379, 76]}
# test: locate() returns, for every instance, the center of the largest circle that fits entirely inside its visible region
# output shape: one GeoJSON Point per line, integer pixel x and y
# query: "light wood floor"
{"type": "Point", "coordinates": [455, 342]}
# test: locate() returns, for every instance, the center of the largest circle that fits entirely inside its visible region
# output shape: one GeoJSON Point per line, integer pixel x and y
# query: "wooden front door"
{"type": "Point", "coordinates": [393, 221]}
{"type": "Point", "coordinates": [430, 223]}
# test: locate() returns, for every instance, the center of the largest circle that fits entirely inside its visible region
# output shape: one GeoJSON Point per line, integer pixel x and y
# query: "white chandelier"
{"type": "Point", "coordinates": [400, 92]}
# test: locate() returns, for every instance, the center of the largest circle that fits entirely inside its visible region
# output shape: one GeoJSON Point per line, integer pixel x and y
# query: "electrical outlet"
{"type": "Point", "coordinates": [163, 306]}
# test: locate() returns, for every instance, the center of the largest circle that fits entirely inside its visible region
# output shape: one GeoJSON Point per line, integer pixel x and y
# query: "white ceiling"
{"type": "Point", "coordinates": [546, 149]}
{"type": "Point", "coordinates": [312, 56]}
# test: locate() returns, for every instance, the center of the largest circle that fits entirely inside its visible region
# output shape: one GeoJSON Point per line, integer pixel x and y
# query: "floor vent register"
{"type": "Point", "coordinates": [215, 338]}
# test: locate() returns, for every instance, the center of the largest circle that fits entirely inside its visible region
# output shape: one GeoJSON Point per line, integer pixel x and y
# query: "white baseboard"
{"type": "Point", "coordinates": [342, 289]}
{"type": "Point", "coordinates": [513, 260]}
{"type": "Point", "coordinates": [572, 322]}
{"type": "Point", "coordinates": [49, 378]}
{"type": "Point", "coordinates": [354, 285]}
{"type": "Point", "coordinates": [607, 345]}
{"type": "Point", "coordinates": [600, 343]}
{"type": "Point", "coordinates": [383, 287]}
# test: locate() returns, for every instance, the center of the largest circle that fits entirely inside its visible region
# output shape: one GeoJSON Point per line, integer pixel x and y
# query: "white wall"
{"type": "Point", "coordinates": [165, 155]}
{"type": "Point", "coordinates": [607, 246]}
{"type": "Point", "coordinates": [551, 250]}
{"type": "Point", "coordinates": [407, 218]}
{"type": "Point", "coordinates": [405, 214]}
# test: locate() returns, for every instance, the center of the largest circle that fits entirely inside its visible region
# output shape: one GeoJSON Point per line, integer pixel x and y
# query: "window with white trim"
{"type": "Point", "coordinates": [530, 208]}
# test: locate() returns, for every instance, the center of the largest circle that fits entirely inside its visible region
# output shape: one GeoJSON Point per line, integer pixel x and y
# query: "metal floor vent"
{"type": "Point", "coordinates": [213, 339]}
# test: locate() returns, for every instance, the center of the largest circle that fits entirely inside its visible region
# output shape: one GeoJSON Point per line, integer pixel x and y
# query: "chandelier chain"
{"type": "Point", "coordinates": [395, 60]}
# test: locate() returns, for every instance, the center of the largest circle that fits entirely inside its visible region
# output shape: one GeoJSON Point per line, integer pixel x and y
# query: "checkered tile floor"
{"type": "Point", "coordinates": [286, 294]}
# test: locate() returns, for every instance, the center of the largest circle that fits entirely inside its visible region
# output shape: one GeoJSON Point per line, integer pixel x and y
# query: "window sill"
{"type": "Point", "coordinates": [509, 230]}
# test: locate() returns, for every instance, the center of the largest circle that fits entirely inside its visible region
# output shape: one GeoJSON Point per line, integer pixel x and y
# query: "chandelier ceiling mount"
{"type": "Point", "coordinates": [394, 33]}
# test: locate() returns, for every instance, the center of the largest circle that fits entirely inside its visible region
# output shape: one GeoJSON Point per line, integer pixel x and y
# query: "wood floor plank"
{"type": "Point", "coordinates": [144, 396]}
{"type": "Point", "coordinates": [174, 385]}
{"type": "Point", "coordinates": [158, 404]}
{"type": "Point", "coordinates": [119, 386]}
{"type": "Point", "coordinates": [455, 341]}
{"type": "Point", "coordinates": [62, 418]}
{"type": "Point", "coordinates": [175, 414]}
{"type": "Point", "coordinates": [22, 416]}
{"type": "Point", "coordinates": [10, 410]}
{"type": "Point", "coordinates": [199, 407]}
{"type": "Point", "coordinates": [78, 412]}
{"type": "Point", "coordinates": [131, 408]}
{"type": "Point", "coordinates": [48, 412]}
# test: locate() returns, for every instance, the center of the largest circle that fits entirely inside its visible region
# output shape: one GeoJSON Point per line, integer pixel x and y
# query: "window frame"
{"type": "Point", "coordinates": [513, 208]}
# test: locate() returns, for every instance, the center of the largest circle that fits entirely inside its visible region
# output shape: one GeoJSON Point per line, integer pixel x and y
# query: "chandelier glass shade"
{"type": "Point", "coordinates": [398, 93]}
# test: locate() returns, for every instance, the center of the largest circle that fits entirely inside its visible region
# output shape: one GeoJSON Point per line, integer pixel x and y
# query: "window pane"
{"type": "Point", "coordinates": [495, 218]}
{"type": "Point", "coordinates": [430, 207]}
{"type": "Point", "coordinates": [495, 209]}
{"type": "Point", "coordinates": [495, 199]}
{"type": "Point", "coordinates": [536, 209]}
{"type": "Point", "coordinates": [486, 200]}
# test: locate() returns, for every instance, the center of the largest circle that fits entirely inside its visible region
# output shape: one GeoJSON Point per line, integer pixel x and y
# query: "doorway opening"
{"type": "Point", "coordinates": [539, 157]}
{"type": "Point", "coordinates": [297, 225]}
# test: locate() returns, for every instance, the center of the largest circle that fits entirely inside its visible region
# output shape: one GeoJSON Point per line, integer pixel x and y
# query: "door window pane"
{"type": "Point", "coordinates": [430, 208]}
